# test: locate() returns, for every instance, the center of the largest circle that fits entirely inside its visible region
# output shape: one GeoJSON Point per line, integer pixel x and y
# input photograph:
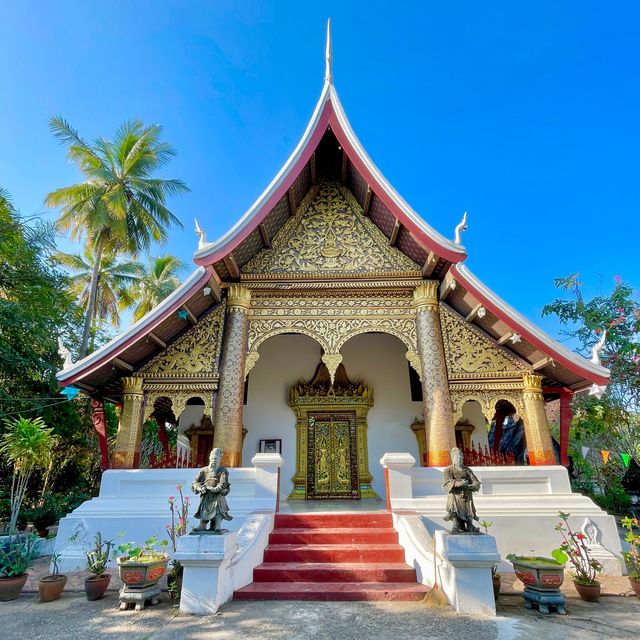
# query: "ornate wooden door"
{"type": "Point", "coordinates": [332, 463]}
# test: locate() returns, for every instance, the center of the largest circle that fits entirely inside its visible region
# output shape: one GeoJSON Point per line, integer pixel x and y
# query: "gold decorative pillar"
{"type": "Point", "coordinates": [536, 426]}
{"type": "Point", "coordinates": [228, 423]}
{"type": "Point", "coordinates": [126, 454]}
{"type": "Point", "coordinates": [438, 414]}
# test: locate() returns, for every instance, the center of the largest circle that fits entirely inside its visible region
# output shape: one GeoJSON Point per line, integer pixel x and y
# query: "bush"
{"type": "Point", "coordinates": [614, 500]}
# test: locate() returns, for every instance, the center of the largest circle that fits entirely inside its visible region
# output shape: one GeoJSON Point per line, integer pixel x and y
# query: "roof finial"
{"type": "Point", "coordinates": [328, 72]}
{"type": "Point", "coordinates": [460, 227]}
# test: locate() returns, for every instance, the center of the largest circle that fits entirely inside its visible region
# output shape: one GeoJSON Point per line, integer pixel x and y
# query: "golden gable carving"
{"type": "Point", "coordinates": [329, 235]}
{"type": "Point", "coordinates": [471, 354]}
{"type": "Point", "coordinates": [195, 354]}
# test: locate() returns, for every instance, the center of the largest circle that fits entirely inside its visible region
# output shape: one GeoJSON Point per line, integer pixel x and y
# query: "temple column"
{"type": "Point", "coordinates": [99, 422]}
{"type": "Point", "coordinates": [126, 454]}
{"type": "Point", "coordinates": [438, 415]}
{"type": "Point", "coordinates": [228, 423]}
{"type": "Point", "coordinates": [536, 426]}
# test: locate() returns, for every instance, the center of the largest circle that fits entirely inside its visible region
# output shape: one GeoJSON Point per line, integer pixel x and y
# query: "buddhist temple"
{"type": "Point", "coordinates": [332, 324]}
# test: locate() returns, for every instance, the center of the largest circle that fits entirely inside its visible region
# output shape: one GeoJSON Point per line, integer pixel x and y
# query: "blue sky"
{"type": "Point", "coordinates": [525, 116]}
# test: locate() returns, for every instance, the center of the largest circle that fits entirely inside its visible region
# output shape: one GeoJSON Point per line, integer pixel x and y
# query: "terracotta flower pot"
{"type": "Point", "coordinates": [588, 592]}
{"type": "Point", "coordinates": [50, 587]}
{"type": "Point", "coordinates": [138, 574]}
{"type": "Point", "coordinates": [95, 586]}
{"type": "Point", "coordinates": [10, 588]}
{"type": "Point", "coordinates": [635, 585]}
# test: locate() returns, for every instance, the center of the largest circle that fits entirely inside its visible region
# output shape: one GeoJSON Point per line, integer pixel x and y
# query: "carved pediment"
{"type": "Point", "coordinates": [329, 235]}
{"type": "Point", "coordinates": [194, 354]}
{"type": "Point", "coordinates": [471, 354]}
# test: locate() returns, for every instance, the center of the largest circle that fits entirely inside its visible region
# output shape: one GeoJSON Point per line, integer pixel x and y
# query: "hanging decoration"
{"type": "Point", "coordinates": [70, 392]}
{"type": "Point", "coordinates": [605, 455]}
{"type": "Point", "coordinates": [626, 459]}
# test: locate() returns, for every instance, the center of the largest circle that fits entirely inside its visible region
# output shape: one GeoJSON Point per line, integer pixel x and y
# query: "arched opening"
{"type": "Point", "coordinates": [158, 434]}
{"type": "Point", "coordinates": [285, 359]}
{"type": "Point", "coordinates": [472, 427]}
{"type": "Point", "coordinates": [379, 359]}
{"type": "Point", "coordinates": [506, 434]}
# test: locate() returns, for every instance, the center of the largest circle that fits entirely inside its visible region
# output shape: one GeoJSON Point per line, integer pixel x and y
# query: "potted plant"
{"type": "Point", "coordinates": [177, 528]}
{"type": "Point", "coordinates": [16, 556]}
{"type": "Point", "coordinates": [42, 517]}
{"type": "Point", "coordinates": [142, 566]}
{"type": "Point", "coordinates": [51, 586]}
{"type": "Point", "coordinates": [575, 550]}
{"type": "Point", "coordinates": [496, 578]}
{"type": "Point", "coordinates": [539, 572]}
{"type": "Point", "coordinates": [632, 525]}
{"type": "Point", "coordinates": [97, 561]}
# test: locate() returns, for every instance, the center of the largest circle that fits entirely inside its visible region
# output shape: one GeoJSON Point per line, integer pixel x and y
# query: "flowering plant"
{"type": "Point", "coordinates": [575, 550]}
{"type": "Point", "coordinates": [179, 517]}
{"type": "Point", "coordinates": [632, 525]}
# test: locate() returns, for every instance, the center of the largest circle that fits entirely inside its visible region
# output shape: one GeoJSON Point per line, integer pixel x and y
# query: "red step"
{"type": "Point", "coordinates": [333, 556]}
{"type": "Point", "coordinates": [332, 520]}
{"type": "Point", "coordinates": [334, 553]}
{"type": "Point", "coordinates": [334, 572]}
{"type": "Point", "coordinates": [351, 535]}
{"type": "Point", "coordinates": [388, 591]}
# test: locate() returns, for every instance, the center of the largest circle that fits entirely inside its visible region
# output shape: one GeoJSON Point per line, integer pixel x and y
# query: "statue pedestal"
{"type": "Point", "coordinates": [465, 570]}
{"type": "Point", "coordinates": [206, 583]}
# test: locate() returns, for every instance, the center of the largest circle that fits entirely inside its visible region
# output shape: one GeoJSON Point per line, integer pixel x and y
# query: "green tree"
{"type": "Point", "coordinates": [35, 308]}
{"type": "Point", "coordinates": [157, 280]}
{"type": "Point", "coordinates": [115, 278]}
{"type": "Point", "coordinates": [119, 206]}
{"type": "Point", "coordinates": [613, 421]}
{"type": "Point", "coordinates": [27, 444]}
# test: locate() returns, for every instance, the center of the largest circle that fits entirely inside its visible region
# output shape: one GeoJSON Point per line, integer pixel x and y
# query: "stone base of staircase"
{"type": "Point", "coordinates": [337, 556]}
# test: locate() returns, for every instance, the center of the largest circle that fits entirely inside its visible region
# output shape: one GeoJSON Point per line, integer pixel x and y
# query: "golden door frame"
{"type": "Point", "coordinates": [318, 396]}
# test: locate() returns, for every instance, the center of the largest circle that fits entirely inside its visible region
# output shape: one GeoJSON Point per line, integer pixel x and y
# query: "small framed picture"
{"type": "Point", "coordinates": [270, 446]}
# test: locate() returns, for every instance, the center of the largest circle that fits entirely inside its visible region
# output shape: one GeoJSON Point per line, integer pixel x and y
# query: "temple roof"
{"type": "Point", "coordinates": [329, 155]}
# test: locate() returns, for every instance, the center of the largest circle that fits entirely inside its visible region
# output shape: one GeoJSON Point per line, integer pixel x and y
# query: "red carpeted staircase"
{"type": "Point", "coordinates": [333, 556]}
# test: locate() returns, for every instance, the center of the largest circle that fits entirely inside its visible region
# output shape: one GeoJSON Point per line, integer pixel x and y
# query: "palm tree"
{"type": "Point", "coordinates": [159, 278]}
{"type": "Point", "coordinates": [120, 206]}
{"type": "Point", "coordinates": [115, 278]}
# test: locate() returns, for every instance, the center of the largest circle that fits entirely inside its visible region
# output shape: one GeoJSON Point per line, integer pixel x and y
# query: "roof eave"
{"type": "Point", "coordinates": [138, 329]}
{"type": "Point", "coordinates": [574, 362]}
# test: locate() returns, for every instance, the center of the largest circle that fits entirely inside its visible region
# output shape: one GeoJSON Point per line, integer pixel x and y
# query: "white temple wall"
{"type": "Point", "coordinates": [378, 359]}
{"type": "Point", "coordinates": [472, 411]}
{"type": "Point", "coordinates": [192, 415]}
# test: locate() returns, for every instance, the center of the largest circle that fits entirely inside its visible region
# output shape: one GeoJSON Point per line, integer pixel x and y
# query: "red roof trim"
{"type": "Point", "coordinates": [112, 350]}
{"type": "Point", "coordinates": [526, 333]}
{"type": "Point", "coordinates": [381, 192]}
{"type": "Point", "coordinates": [275, 197]}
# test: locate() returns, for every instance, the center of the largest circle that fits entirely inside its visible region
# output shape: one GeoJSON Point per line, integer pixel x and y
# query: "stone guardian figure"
{"type": "Point", "coordinates": [212, 485]}
{"type": "Point", "coordinates": [460, 483]}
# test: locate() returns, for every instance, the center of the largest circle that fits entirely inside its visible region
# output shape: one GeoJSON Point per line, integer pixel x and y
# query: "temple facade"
{"type": "Point", "coordinates": [332, 324]}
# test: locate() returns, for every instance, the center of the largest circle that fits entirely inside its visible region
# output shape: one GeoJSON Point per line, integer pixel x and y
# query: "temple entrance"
{"type": "Point", "coordinates": [331, 442]}
{"type": "Point", "coordinates": [332, 463]}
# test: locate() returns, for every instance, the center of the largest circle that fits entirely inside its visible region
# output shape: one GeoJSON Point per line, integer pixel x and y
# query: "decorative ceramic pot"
{"type": "Point", "coordinates": [496, 579]}
{"type": "Point", "coordinates": [50, 587]}
{"type": "Point", "coordinates": [10, 588]}
{"type": "Point", "coordinates": [95, 586]}
{"type": "Point", "coordinates": [138, 574]}
{"type": "Point", "coordinates": [588, 592]}
{"type": "Point", "coordinates": [538, 572]}
{"type": "Point", "coordinates": [635, 585]}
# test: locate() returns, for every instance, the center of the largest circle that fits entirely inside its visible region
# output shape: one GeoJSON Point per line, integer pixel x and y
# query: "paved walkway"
{"type": "Point", "coordinates": [72, 617]}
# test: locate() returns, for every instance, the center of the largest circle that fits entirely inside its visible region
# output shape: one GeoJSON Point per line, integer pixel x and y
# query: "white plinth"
{"type": "Point", "coordinates": [465, 570]}
{"type": "Point", "coordinates": [206, 582]}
